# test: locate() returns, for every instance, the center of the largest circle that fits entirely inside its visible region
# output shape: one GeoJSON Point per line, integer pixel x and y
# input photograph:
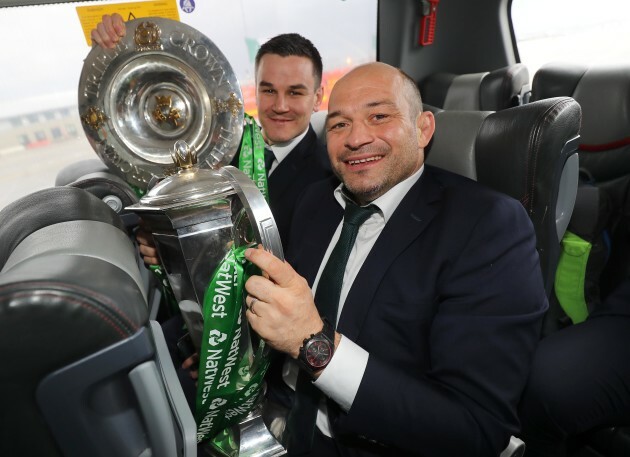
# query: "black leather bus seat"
{"type": "Point", "coordinates": [602, 214]}
{"type": "Point", "coordinates": [84, 371]}
{"type": "Point", "coordinates": [527, 152]}
{"type": "Point", "coordinates": [95, 177]}
{"type": "Point", "coordinates": [493, 90]}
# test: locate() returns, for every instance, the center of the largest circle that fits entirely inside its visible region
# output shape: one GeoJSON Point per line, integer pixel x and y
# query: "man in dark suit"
{"type": "Point", "coordinates": [426, 346]}
{"type": "Point", "coordinates": [288, 90]}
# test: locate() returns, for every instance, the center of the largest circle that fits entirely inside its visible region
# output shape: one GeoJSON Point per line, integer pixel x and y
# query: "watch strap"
{"type": "Point", "coordinates": [328, 334]}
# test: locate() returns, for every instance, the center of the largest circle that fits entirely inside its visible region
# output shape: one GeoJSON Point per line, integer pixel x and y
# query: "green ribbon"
{"type": "Point", "coordinates": [252, 155]}
{"type": "Point", "coordinates": [570, 276]}
{"type": "Point", "coordinates": [230, 373]}
{"type": "Point", "coordinates": [139, 192]}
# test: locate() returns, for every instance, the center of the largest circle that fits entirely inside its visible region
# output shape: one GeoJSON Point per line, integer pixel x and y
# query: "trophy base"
{"type": "Point", "coordinates": [256, 440]}
{"type": "Point", "coordinates": [253, 439]}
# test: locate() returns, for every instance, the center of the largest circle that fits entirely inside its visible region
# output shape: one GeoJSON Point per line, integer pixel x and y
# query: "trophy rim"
{"type": "Point", "coordinates": [138, 99]}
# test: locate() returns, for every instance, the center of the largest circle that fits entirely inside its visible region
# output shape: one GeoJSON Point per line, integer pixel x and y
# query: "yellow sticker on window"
{"type": "Point", "coordinates": [91, 15]}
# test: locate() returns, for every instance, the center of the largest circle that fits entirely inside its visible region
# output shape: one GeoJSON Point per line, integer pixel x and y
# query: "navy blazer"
{"type": "Point", "coordinates": [449, 305]}
{"type": "Point", "coordinates": [306, 163]}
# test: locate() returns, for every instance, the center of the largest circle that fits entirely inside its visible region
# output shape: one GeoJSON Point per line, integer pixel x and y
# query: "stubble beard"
{"type": "Point", "coordinates": [366, 194]}
{"type": "Point", "coordinates": [370, 191]}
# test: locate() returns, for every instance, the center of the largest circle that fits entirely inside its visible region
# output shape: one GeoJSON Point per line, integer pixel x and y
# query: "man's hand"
{"type": "Point", "coordinates": [146, 246]}
{"type": "Point", "coordinates": [283, 312]}
{"type": "Point", "coordinates": [109, 31]}
{"type": "Point", "coordinates": [192, 365]}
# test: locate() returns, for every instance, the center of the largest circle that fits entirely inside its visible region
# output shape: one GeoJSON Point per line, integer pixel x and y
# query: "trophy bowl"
{"type": "Point", "coordinates": [163, 82]}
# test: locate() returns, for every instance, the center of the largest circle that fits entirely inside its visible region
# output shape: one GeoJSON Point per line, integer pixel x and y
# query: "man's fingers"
{"type": "Point", "coordinates": [151, 260]}
{"type": "Point", "coordinates": [144, 238]}
{"type": "Point", "coordinates": [109, 31]}
{"type": "Point", "coordinates": [149, 255]}
{"type": "Point", "coordinates": [109, 28]}
{"type": "Point", "coordinates": [279, 272]}
{"type": "Point", "coordinates": [191, 362]}
{"type": "Point", "coordinates": [147, 250]}
{"type": "Point", "coordinates": [119, 25]}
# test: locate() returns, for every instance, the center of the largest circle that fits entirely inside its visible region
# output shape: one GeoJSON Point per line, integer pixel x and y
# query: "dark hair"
{"type": "Point", "coordinates": [293, 44]}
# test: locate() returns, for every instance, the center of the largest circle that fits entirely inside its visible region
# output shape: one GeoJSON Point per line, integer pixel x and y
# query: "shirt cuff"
{"type": "Point", "coordinates": [341, 379]}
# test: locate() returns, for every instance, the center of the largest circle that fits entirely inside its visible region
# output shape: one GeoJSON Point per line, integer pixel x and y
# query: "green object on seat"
{"type": "Point", "coordinates": [570, 276]}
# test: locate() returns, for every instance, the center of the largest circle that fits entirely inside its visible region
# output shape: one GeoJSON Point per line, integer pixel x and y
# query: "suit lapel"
{"type": "Point", "coordinates": [286, 172]}
{"type": "Point", "coordinates": [318, 231]}
{"type": "Point", "coordinates": [409, 220]}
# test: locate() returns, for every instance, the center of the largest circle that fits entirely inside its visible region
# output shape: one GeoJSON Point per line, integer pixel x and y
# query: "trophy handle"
{"type": "Point", "coordinates": [257, 209]}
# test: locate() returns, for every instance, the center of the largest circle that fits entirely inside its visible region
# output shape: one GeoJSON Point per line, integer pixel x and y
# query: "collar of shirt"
{"type": "Point", "coordinates": [368, 232]}
{"type": "Point", "coordinates": [282, 150]}
{"type": "Point", "coordinates": [388, 202]}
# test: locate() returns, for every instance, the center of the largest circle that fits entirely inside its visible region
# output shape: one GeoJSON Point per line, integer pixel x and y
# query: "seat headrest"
{"type": "Point", "coordinates": [603, 92]}
{"type": "Point", "coordinates": [318, 122]}
{"type": "Point", "coordinates": [112, 190]}
{"type": "Point", "coordinates": [520, 142]}
{"type": "Point", "coordinates": [556, 80]}
{"type": "Point", "coordinates": [523, 152]}
{"type": "Point", "coordinates": [48, 207]}
{"type": "Point", "coordinates": [452, 147]}
{"type": "Point", "coordinates": [486, 91]}
{"type": "Point", "coordinates": [505, 87]}
{"type": "Point", "coordinates": [76, 170]}
{"type": "Point", "coordinates": [70, 286]}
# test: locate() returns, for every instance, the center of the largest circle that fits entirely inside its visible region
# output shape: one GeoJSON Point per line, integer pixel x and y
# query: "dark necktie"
{"type": "Point", "coordinates": [301, 421]}
{"type": "Point", "coordinates": [269, 158]}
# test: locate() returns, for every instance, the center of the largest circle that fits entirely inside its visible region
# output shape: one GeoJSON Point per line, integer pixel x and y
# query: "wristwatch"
{"type": "Point", "coordinates": [317, 350]}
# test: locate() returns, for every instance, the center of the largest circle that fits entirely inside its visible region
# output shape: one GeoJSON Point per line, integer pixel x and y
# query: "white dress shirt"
{"type": "Point", "coordinates": [282, 150]}
{"type": "Point", "coordinates": [341, 379]}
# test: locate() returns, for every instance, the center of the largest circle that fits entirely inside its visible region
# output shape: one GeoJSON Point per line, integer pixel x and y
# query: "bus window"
{"type": "Point", "coordinates": [40, 129]}
{"type": "Point", "coordinates": [576, 31]}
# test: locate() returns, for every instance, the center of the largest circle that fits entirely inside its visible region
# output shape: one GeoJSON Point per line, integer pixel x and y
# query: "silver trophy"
{"type": "Point", "coordinates": [164, 111]}
{"type": "Point", "coordinates": [164, 82]}
{"type": "Point", "coordinates": [196, 216]}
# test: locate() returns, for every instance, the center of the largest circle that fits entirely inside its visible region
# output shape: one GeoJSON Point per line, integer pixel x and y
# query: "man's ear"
{"type": "Point", "coordinates": [319, 97]}
{"type": "Point", "coordinates": [426, 126]}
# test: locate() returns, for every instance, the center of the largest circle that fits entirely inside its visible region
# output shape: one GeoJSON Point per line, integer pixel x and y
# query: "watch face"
{"type": "Point", "coordinates": [318, 353]}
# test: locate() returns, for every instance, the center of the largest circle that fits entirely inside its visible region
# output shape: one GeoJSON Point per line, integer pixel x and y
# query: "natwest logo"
{"type": "Point", "coordinates": [217, 403]}
{"type": "Point", "coordinates": [216, 337]}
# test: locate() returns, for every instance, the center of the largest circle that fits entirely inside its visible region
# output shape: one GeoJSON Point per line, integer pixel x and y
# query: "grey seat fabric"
{"type": "Point", "coordinates": [74, 171]}
{"type": "Point", "coordinates": [79, 348]}
{"type": "Point", "coordinates": [94, 176]}
{"type": "Point", "coordinates": [527, 152]}
{"type": "Point", "coordinates": [318, 121]}
{"type": "Point", "coordinates": [493, 90]}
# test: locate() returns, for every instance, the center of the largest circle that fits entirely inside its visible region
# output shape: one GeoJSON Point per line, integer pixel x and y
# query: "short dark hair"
{"type": "Point", "coordinates": [293, 44]}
